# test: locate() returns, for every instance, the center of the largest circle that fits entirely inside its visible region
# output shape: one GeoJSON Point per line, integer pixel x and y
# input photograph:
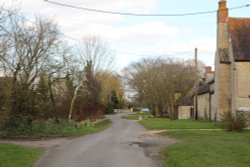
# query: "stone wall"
{"type": "Point", "coordinates": [241, 88]}
{"type": "Point", "coordinates": [122, 110]}
{"type": "Point", "coordinates": [203, 106]}
{"type": "Point", "coordinates": [245, 112]}
{"type": "Point", "coordinates": [222, 87]}
{"type": "Point", "coordinates": [223, 90]}
{"type": "Point", "coordinates": [206, 107]}
{"type": "Point", "coordinates": [213, 109]}
{"type": "Point", "coordinates": [184, 112]}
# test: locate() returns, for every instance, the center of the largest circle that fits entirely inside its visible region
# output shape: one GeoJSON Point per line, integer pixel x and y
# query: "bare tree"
{"type": "Point", "coordinates": [94, 49]}
{"type": "Point", "coordinates": [56, 72]}
{"type": "Point", "coordinates": [31, 47]}
{"type": "Point", "coordinates": [92, 53]}
{"type": "Point", "coordinates": [161, 84]}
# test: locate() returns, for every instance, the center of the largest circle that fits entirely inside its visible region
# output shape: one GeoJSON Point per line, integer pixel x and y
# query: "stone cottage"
{"type": "Point", "coordinates": [231, 84]}
{"type": "Point", "coordinates": [206, 100]}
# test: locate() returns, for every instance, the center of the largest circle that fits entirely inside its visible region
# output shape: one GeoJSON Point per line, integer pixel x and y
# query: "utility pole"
{"type": "Point", "coordinates": [196, 85]}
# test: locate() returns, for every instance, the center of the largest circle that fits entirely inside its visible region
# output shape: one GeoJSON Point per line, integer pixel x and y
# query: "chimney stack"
{"type": "Point", "coordinates": [208, 69]}
{"type": "Point", "coordinates": [222, 12]}
{"type": "Point", "coordinates": [209, 74]}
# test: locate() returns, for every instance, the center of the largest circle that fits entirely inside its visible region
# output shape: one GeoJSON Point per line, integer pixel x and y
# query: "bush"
{"type": "Point", "coordinates": [109, 108]}
{"type": "Point", "coordinates": [233, 123]}
{"type": "Point", "coordinates": [49, 128]}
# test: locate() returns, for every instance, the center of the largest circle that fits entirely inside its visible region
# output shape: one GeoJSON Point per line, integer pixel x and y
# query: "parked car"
{"type": "Point", "coordinates": [145, 110]}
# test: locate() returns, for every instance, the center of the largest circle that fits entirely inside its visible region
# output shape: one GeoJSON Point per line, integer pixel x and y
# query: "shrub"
{"type": "Point", "coordinates": [109, 108]}
{"type": "Point", "coordinates": [233, 123]}
{"type": "Point", "coordinates": [90, 111]}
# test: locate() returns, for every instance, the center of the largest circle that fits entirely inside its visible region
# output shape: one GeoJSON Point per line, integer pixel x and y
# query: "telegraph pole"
{"type": "Point", "coordinates": [196, 85]}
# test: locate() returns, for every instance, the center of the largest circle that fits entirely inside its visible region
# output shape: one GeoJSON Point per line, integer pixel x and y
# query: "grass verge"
{"type": "Point", "coordinates": [135, 116]}
{"type": "Point", "coordinates": [51, 129]}
{"type": "Point", "coordinates": [18, 156]}
{"type": "Point", "coordinates": [162, 123]}
{"type": "Point", "coordinates": [208, 148]}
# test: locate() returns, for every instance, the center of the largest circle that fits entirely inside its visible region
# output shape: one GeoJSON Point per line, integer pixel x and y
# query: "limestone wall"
{"type": "Point", "coordinates": [223, 89]}
{"type": "Point", "coordinates": [213, 109]}
{"type": "Point", "coordinates": [242, 85]}
{"type": "Point", "coordinates": [184, 112]}
{"type": "Point", "coordinates": [203, 106]}
{"type": "Point", "coordinates": [222, 72]}
{"type": "Point", "coordinates": [122, 110]}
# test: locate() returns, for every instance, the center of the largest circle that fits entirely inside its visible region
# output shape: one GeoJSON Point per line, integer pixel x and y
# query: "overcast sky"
{"type": "Point", "coordinates": [139, 36]}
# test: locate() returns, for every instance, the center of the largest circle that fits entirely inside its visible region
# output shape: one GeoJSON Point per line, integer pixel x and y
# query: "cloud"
{"type": "Point", "coordinates": [142, 36]}
{"type": "Point", "coordinates": [187, 45]}
{"type": "Point", "coordinates": [147, 31]}
{"type": "Point", "coordinates": [44, 8]}
{"type": "Point", "coordinates": [119, 5]}
{"type": "Point", "coordinates": [79, 23]}
{"type": "Point", "coordinates": [171, 48]}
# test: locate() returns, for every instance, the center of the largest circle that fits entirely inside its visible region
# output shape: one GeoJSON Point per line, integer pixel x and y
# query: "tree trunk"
{"type": "Point", "coordinates": [157, 112]}
{"type": "Point", "coordinates": [52, 98]}
{"type": "Point", "coordinates": [73, 101]}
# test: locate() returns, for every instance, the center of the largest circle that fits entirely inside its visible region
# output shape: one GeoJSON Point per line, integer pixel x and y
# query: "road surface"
{"type": "Point", "coordinates": [124, 144]}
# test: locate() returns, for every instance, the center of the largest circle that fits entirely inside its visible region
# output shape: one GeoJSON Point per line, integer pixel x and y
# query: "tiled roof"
{"type": "Point", "coordinates": [240, 35]}
{"type": "Point", "coordinates": [206, 87]}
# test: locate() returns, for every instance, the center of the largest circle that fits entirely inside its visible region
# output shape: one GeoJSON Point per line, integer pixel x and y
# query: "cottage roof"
{"type": "Point", "coordinates": [240, 37]}
{"type": "Point", "coordinates": [206, 87]}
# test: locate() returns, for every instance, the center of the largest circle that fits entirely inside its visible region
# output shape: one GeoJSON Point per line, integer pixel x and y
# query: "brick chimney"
{"type": "Point", "coordinates": [208, 69]}
{"type": "Point", "coordinates": [209, 74]}
{"type": "Point", "coordinates": [222, 12]}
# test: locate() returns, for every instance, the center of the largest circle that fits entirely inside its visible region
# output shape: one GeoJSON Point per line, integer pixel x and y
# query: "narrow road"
{"type": "Point", "coordinates": [124, 144]}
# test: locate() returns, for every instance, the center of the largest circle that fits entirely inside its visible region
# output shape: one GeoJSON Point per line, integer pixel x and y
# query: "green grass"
{"type": "Point", "coordinates": [162, 123]}
{"type": "Point", "coordinates": [51, 129]}
{"type": "Point", "coordinates": [135, 116]}
{"type": "Point", "coordinates": [18, 156]}
{"type": "Point", "coordinates": [208, 149]}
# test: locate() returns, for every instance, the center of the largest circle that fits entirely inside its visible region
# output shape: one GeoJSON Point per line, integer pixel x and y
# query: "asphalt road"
{"type": "Point", "coordinates": [124, 144]}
